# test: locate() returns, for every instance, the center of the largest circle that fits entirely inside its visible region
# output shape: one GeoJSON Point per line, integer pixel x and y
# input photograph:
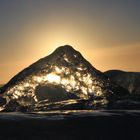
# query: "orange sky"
{"type": "Point", "coordinates": [106, 33]}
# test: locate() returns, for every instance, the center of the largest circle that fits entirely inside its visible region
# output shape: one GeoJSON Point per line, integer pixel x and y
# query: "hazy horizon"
{"type": "Point", "coordinates": [106, 32]}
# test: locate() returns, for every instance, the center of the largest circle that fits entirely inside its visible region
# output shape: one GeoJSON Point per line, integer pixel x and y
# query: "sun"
{"type": "Point", "coordinates": [53, 78]}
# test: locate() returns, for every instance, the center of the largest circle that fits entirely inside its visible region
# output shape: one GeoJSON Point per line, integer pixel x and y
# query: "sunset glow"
{"type": "Point", "coordinates": [106, 33]}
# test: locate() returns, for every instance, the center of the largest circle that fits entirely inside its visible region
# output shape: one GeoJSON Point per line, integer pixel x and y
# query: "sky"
{"type": "Point", "coordinates": [106, 32]}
